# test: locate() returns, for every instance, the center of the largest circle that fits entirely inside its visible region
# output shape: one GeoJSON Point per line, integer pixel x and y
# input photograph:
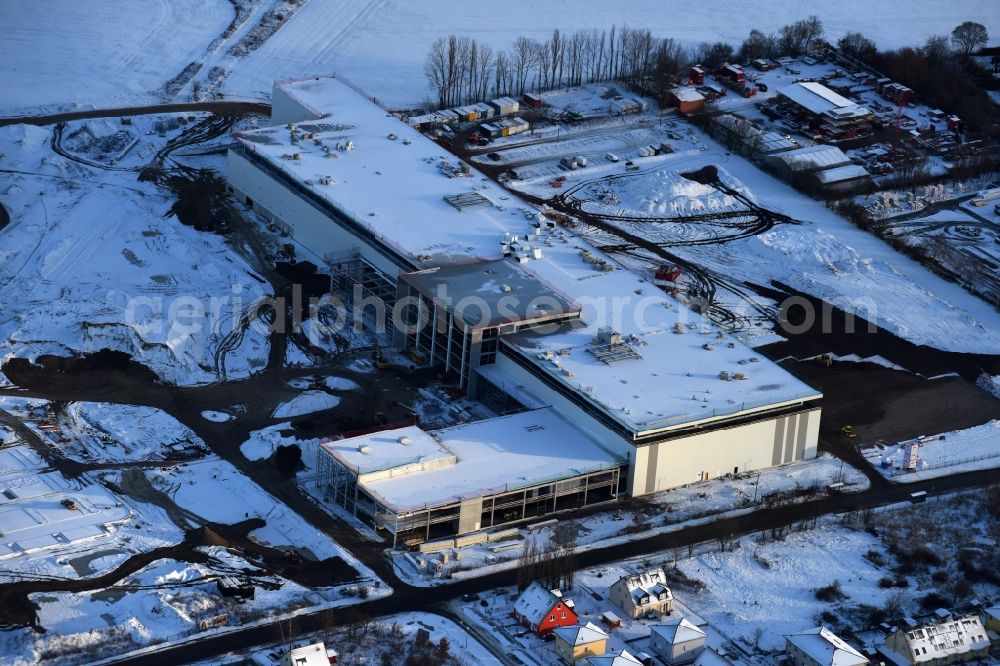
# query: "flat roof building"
{"type": "Point", "coordinates": [420, 485]}
{"type": "Point", "coordinates": [548, 319]}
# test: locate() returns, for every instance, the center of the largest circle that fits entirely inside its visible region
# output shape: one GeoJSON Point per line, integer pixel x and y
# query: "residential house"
{"type": "Point", "coordinates": [542, 610]}
{"type": "Point", "coordinates": [821, 647]}
{"type": "Point", "coordinates": [677, 641]}
{"type": "Point", "coordinates": [991, 619]}
{"type": "Point", "coordinates": [316, 654]}
{"type": "Point", "coordinates": [642, 593]}
{"type": "Point", "coordinates": [579, 642]}
{"type": "Point", "coordinates": [710, 657]}
{"type": "Point", "coordinates": [943, 641]}
{"type": "Point", "coordinates": [623, 658]}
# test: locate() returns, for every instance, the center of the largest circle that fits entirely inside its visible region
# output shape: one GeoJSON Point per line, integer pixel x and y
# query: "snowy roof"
{"type": "Point", "coordinates": [811, 158]}
{"type": "Point", "coordinates": [394, 189]}
{"type": "Point", "coordinates": [651, 582]}
{"type": "Point", "coordinates": [535, 602]}
{"type": "Point", "coordinates": [403, 450]}
{"type": "Point", "coordinates": [675, 383]}
{"type": "Point", "coordinates": [581, 635]}
{"type": "Point", "coordinates": [842, 173]}
{"type": "Point", "coordinates": [470, 460]}
{"type": "Point", "coordinates": [394, 192]}
{"type": "Point", "coordinates": [480, 289]}
{"type": "Point", "coordinates": [677, 630]}
{"type": "Point", "coordinates": [687, 94]}
{"type": "Point", "coordinates": [710, 657]}
{"type": "Point", "coordinates": [950, 636]}
{"type": "Point", "coordinates": [623, 658]}
{"type": "Point", "coordinates": [308, 655]}
{"type": "Point", "coordinates": [826, 648]}
{"type": "Point", "coordinates": [817, 98]}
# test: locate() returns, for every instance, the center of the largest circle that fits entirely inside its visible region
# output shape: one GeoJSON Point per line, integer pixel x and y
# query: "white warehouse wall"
{"type": "Point", "coordinates": [708, 454]}
{"type": "Point", "coordinates": [307, 224]}
{"type": "Point", "coordinates": [714, 453]}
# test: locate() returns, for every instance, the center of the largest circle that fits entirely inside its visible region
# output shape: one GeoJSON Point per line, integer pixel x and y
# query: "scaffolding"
{"type": "Point", "coordinates": [352, 275]}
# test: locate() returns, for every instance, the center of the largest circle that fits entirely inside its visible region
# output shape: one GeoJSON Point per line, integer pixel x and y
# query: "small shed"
{"type": "Point", "coordinates": [610, 619]}
{"type": "Point", "coordinates": [686, 99]}
{"type": "Point", "coordinates": [532, 100]}
{"type": "Point", "coordinates": [505, 106]}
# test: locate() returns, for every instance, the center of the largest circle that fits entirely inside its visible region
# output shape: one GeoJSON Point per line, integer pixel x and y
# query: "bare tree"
{"type": "Point", "coordinates": [524, 58]}
{"type": "Point", "coordinates": [857, 46]}
{"type": "Point", "coordinates": [968, 37]}
{"type": "Point", "coordinates": [937, 48]}
{"type": "Point", "coordinates": [436, 70]}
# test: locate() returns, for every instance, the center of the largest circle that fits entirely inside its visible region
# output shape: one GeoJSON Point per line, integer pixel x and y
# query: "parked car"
{"type": "Point", "coordinates": [612, 157]}
{"type": "Point", "coordinates": [494, 156]}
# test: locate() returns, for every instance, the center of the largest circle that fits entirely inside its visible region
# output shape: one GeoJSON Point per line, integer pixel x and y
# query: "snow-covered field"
{"type": "Point", "coordinates": [940, 455]}
{"type": "Point", "coordinates": [102, 52]}
{"type": "Point", "coordinates": [772, 586]}
{"type": "Point", "coordinates": [351, 38]}
{"type": "Point", "coordinates": [91, 259]}
{"type": "Point", "coordinates": [62, 53]}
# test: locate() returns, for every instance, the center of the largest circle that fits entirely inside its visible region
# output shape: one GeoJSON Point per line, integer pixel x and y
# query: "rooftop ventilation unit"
{"type": "Point", "coordinates": [404, 440]}
{"type": "Point", "coordinates": [364, 448]}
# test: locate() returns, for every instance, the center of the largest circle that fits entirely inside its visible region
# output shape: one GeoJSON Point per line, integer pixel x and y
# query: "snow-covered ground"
{"type": "Point", "coordinates": [62, 53]}
{"type": "Point", "coordinates": [306, 402]}
{"type": "Point", "coordinates": [939, 455]}
{"type": "Point", "coordinates": [392, 634]}
{"type": "Point", "coordinates": [772, 585]}
{"type": "Point", "coordinates": [824, 256]}
{"type": "Point", "coordinates": [664, 512]}
{"type": "Point", "coordinates": [351, 37]}
{"type": "Point", "coordinates": [103, 53]}
{"type": "Point", "coordinates": [166, 600]}
{"type": "Point", "coordinates": [91, 259]}
{"type": "Point", "coordinates": [264, 442]}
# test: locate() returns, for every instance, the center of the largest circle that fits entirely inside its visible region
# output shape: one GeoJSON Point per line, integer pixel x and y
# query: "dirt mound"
{"type": "Point", "coordinates": [707, 175]}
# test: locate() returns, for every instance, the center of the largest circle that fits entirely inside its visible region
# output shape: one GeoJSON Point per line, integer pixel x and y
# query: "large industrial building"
{"type": "Point", "coordinates": [829, 113]}
{"type": "Point", "coordinates": [526, 315]}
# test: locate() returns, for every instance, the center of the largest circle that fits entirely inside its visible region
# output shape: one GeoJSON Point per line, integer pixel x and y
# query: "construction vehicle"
{"type": "Point", "coordinates": [825, 360]}
{"type": "Point", "coordinates": [69, 504]}
{"type": "Point", "coordinates": [378, 357]}
{"type": "Point", "coordinates": [848, 431]}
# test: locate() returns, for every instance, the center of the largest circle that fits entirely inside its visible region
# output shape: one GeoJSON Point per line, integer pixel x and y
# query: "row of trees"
{"type": "Point", "coordinates": [461, 69]}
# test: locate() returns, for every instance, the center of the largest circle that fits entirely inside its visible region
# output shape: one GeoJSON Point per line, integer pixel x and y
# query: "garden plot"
{"type": "Point", "coordinates": [394, 635]}
{"type": "Point", "coordinates": [662, 512]}
{"type": "Point", "coordinates": [772, 586]}
{"type": "Point", "coordinates": [939, 455]}
{"type": "Point", "coordinates": [93, 259]}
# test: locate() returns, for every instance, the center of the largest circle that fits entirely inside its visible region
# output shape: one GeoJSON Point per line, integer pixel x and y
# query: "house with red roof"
{"type": "Point", "coordinates": [542, 610]}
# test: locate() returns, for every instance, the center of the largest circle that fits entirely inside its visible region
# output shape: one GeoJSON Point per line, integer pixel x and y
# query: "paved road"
{"type": "Point", "coordinates": [435, 599]}
{"type": "Point", "coordinates": [238, 107]}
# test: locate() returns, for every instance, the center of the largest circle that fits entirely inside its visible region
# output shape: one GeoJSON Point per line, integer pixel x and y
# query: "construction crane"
{"type": "Point", "coordinates": [895, 134]}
